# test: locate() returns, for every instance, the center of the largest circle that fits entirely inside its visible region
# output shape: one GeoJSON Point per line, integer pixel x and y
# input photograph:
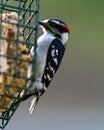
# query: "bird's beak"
{"type": "Point", "coordinates": [43, 23]}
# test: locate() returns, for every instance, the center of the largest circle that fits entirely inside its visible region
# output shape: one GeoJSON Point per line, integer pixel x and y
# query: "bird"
{"type": "Point", "coordinates": [51, 46]}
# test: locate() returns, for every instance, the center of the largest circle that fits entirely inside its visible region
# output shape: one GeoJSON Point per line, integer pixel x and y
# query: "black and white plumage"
{"type": "Point", "coordinates": [50, 51]}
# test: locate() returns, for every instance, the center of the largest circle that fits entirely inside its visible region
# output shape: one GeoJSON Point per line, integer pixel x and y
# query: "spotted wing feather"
{"type": "Point", "coordinates": [53, 61]}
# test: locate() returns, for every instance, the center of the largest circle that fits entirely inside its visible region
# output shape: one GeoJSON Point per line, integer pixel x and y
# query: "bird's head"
{"type": "Point", "coordinates": [56, 27]}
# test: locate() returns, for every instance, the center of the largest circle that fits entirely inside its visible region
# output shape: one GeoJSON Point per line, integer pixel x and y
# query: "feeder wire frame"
{"type": "Point", "coordinates": [29, 12]}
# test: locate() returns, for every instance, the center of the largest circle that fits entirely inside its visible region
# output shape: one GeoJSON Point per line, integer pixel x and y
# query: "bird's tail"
{"type": "Point", "coordinates": [34, 102]}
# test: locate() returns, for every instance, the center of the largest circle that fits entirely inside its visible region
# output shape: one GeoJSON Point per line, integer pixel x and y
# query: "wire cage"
{"type": "Point", "coordinates": [18, 32]}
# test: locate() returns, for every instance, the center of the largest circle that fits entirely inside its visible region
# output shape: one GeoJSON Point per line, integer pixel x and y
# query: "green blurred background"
{"type": "Point", "coordinates": [75, 99]}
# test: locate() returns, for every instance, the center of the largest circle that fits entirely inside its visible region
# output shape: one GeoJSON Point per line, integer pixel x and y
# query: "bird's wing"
{"type": "Point", "coordinates": [53, 60]}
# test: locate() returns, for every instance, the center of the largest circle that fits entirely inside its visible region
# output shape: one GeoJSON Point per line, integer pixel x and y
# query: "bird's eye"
{"type": "Point", "coordinates": [52, 24]}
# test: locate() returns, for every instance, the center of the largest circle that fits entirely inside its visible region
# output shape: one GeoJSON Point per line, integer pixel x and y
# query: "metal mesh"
{"type": "Point", "coordinates": [18, 32]}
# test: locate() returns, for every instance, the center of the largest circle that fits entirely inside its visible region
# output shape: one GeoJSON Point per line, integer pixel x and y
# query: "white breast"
{"type": "Point", "coordinates": [43, 44]}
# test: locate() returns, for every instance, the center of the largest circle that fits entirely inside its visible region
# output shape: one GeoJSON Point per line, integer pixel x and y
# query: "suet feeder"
{"type": "Point", "coordinates": [18, 32]}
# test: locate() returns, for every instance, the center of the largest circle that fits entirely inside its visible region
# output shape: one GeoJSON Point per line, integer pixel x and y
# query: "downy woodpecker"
{"type": "Point", "coordinates": [50, 50]}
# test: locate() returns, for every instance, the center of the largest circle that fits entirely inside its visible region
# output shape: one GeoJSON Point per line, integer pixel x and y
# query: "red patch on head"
{"type": "Point", "coordinates": [67, 28]}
